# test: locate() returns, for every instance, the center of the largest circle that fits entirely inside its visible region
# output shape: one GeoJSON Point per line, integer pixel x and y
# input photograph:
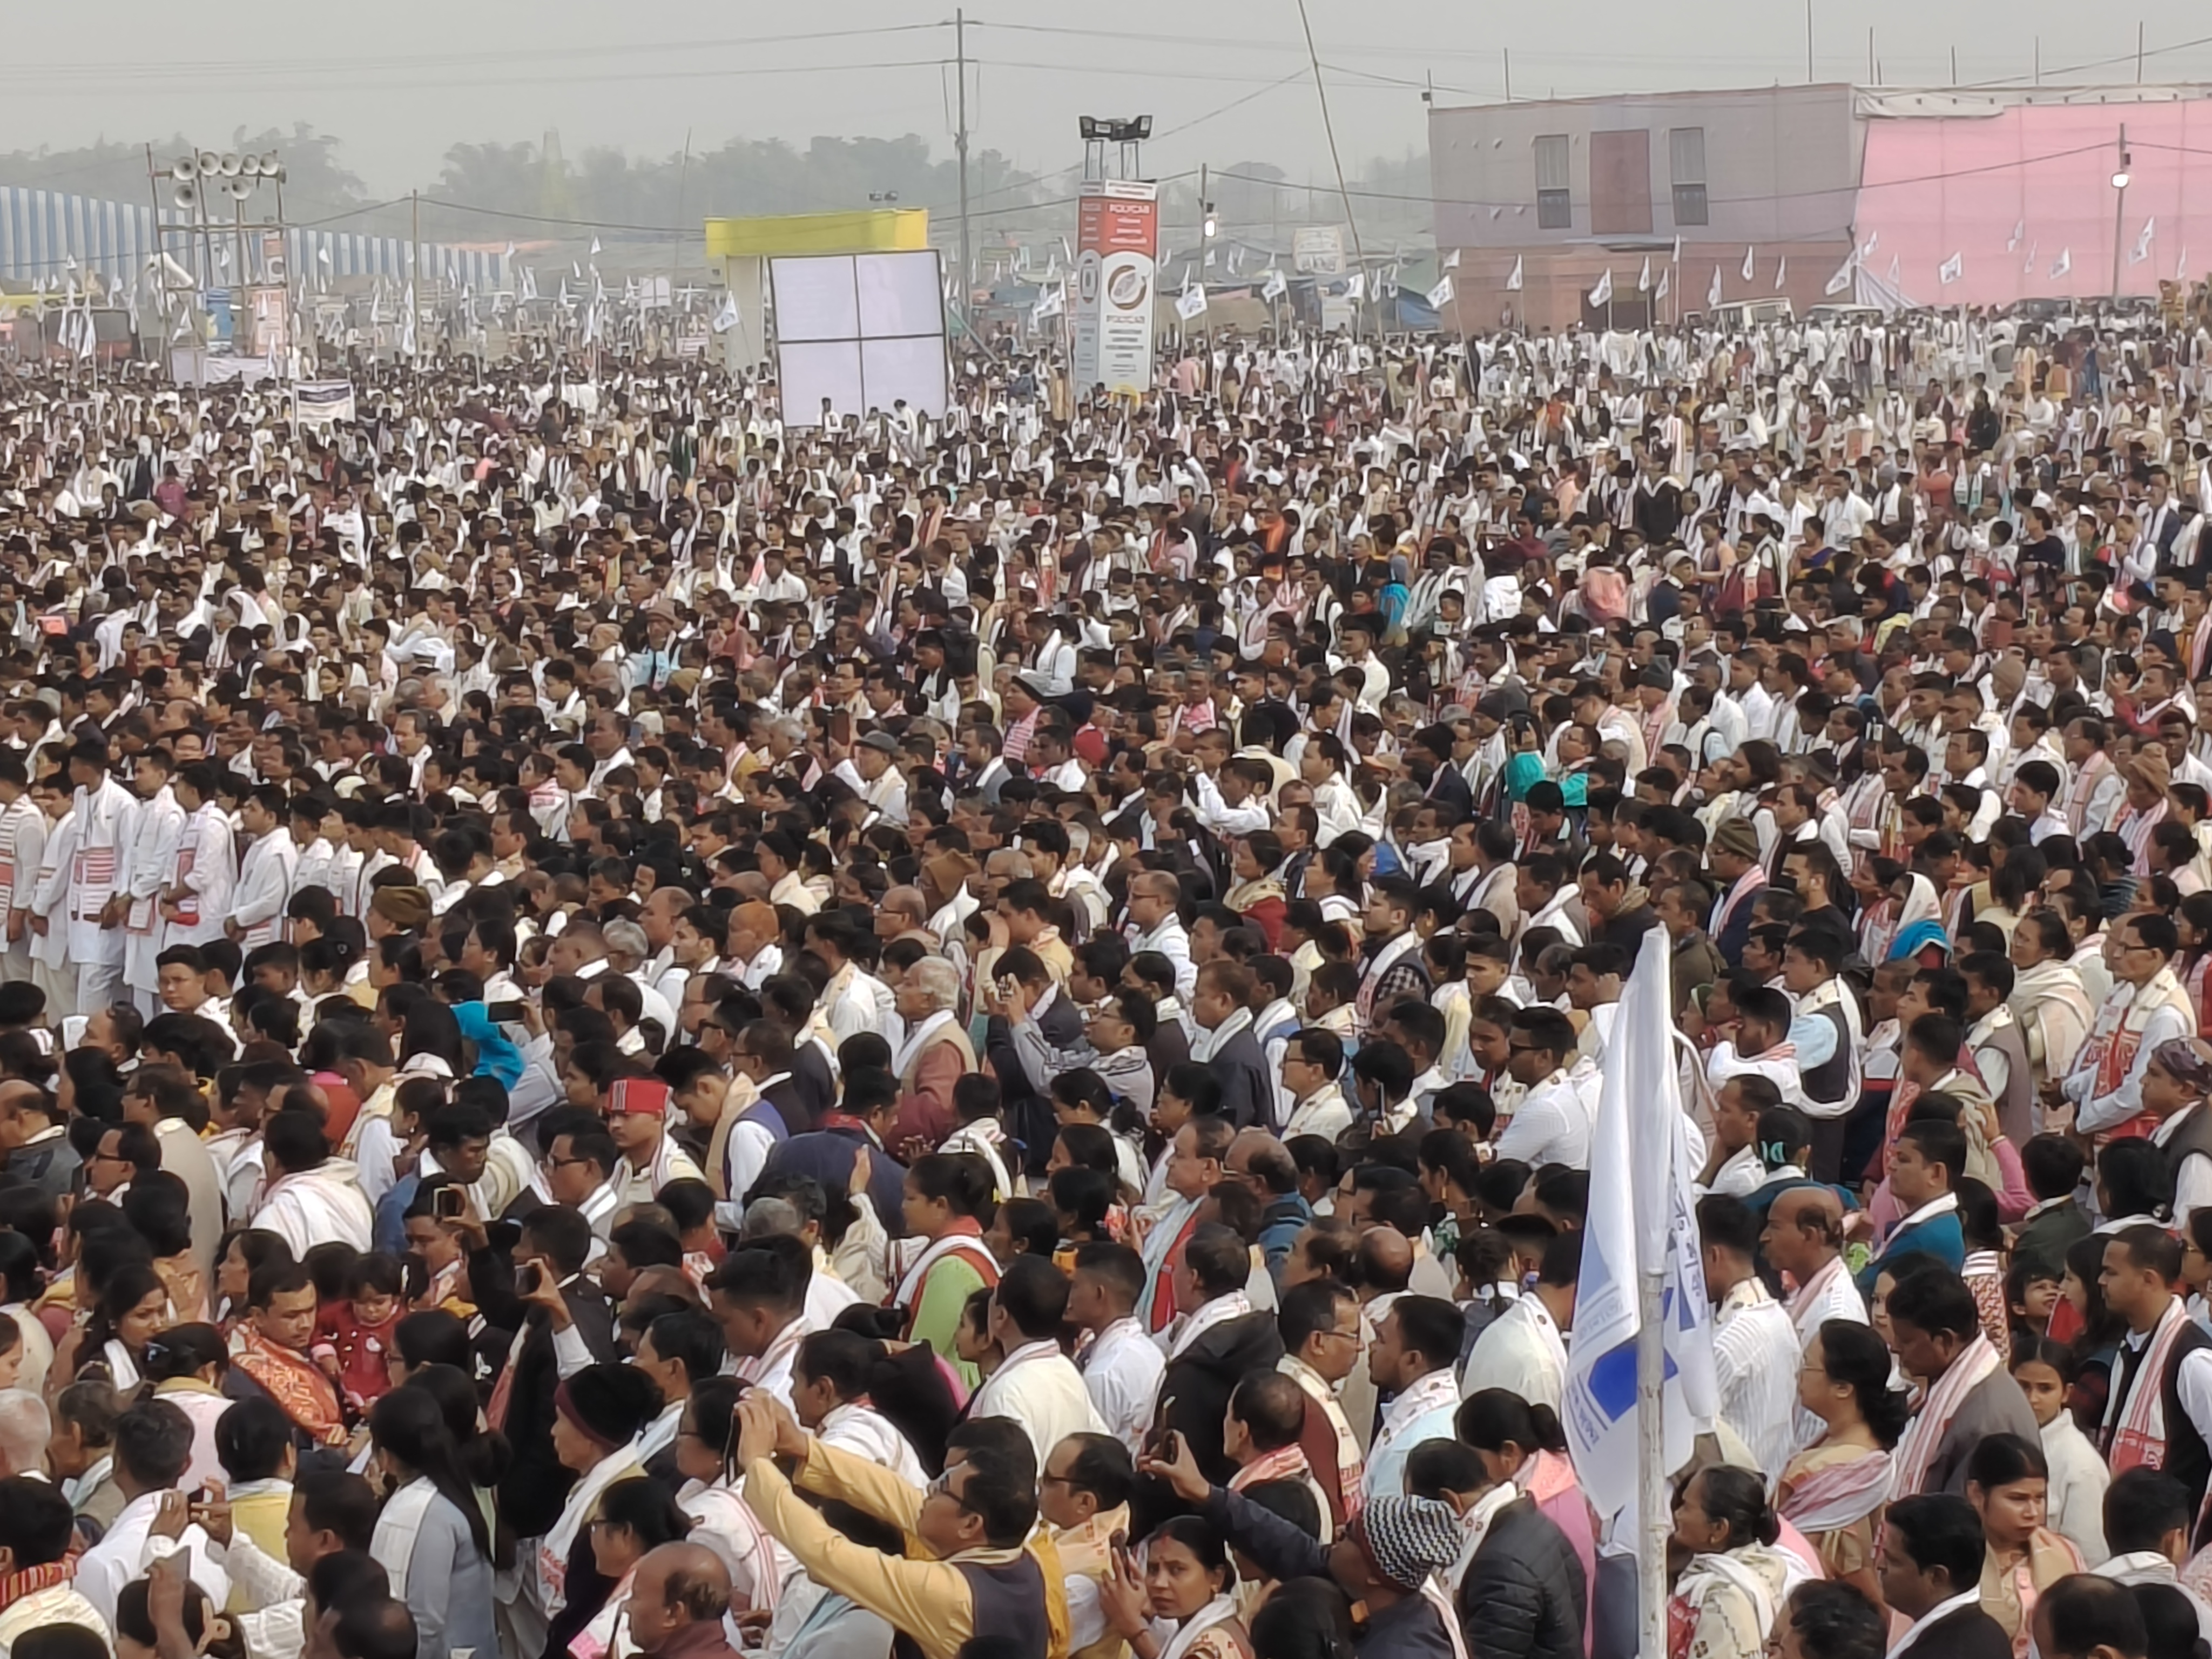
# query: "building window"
{"type": "Point", "coordinates": [1686, 152]}
{"type": "Point", "coordinates": [1554, 207]}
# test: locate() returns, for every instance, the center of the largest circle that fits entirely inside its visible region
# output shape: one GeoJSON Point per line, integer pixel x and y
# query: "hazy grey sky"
{"type": "Point", "coordinates": [399, 80]}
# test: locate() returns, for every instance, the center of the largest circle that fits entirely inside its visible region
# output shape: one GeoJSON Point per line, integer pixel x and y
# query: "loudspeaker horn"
{"type": "Point", "coordinates": [210, 164]}
{"type": "Point", "coordinates": [231, 163]}
{"type": "Point", "coordinates": [273, 166]}
{"type": "Point", "coordinates": [185, 195]}
{"type": "Point", "coordinates": [185, 168]}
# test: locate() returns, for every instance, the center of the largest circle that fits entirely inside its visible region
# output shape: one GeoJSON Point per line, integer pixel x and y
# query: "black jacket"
{"type": "Point", "coordinates": [1194, 1398]}
{"type": "Point", "coordinates": [1524, 1593]}
{"type": "Point", "coordinates": [1247, 1095]}
{"type": "Point", "coordinates": [531, 1496]}
{"type": "Point", "coordinates": [1411, 1628]}
{"type": "Point", "coordinates": [1969, 1634]}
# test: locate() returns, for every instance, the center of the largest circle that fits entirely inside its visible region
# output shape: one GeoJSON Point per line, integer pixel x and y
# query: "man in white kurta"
{"type": "Point", "coordinates": [312, 1199]}
{"type": "Point", "coordinates": [156, 828]}
{"type": "Point", "coordinates": [264, 874]}
{"type": "Point", "coordinates": [22, 846]}
{"type": "Point", "coordinates": [106, 813]}
{"type": "Point", "coordinates": [202, 874]}
{"type": "Point", "coordinates": [1037, 1385]}
{"type": "Point", "coordinates": [49, 928]}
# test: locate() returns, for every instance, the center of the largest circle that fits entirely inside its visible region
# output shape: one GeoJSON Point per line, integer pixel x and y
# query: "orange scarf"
{"type": "Point", "coordinates": [309, 1398]}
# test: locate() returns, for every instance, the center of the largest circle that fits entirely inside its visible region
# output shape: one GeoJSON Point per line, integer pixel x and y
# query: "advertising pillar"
{"type": "Point", "coordinates": [1116, 283]}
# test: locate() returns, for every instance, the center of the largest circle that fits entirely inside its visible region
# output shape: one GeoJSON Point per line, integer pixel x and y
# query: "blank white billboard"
{"type": "Point", "coordinates": [859, 331]}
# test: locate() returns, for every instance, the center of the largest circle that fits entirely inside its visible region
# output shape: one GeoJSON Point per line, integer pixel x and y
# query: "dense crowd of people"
{"type": "Point", "coordinates": [629, 1029]}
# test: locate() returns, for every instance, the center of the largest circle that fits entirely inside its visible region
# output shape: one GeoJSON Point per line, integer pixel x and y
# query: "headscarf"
{"type": "Point", "coordinates": [496, 1054]}
{"type": "Point", "coordinates": [1920, 923]}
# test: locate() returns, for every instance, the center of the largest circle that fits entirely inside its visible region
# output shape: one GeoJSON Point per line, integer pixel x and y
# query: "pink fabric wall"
{"type": "Point", "coordinates": [1934, 187]}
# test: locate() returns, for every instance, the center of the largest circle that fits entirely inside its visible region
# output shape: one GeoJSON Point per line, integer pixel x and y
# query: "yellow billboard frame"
{"type": "Point", "coordinates": [894, 230]}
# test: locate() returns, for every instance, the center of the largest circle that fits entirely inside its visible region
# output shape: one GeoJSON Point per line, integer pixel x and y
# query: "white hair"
{"type": "Point", "coordinates": [24, 1428]}
{"type": "Point", "coordinates": [937, 979]}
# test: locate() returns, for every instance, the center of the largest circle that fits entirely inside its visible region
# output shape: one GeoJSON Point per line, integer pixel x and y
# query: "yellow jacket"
{"type": "Point", "coordinates": [924, 1598]}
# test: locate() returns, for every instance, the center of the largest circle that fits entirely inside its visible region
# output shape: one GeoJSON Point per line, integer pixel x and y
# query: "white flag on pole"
{"type": "Point", "coordinates": [1513, 276]}
{"type": "Point", "coordinates": [2027, 266]}
{"type": "Point", "coordinates": [1052, 302]}
{"type": "Point", "coordinates": [1677, 255]}
{"type": "Point", "coordinates": [1896, 270]}
{"type": "Point", "coordinates": [1781, 271]}
{"type": "Point", "coordinates": [1602, 294]}
{"type": "Point", "coordinates": [726, 318]}
{"type": "Point", "coordinates": [1750, 263]}
{"type": "Point", "coordinates": [1641, 1217]}
{"type": "Point", "coordinates": [1841, 281]}
{"type": "Point", "coordinates": [2141, 251]}
{"type": "Point", "coordinates": [2018, 230]}
{"type": "Point", "coordinates": [1356, 289]}
{"type": "Point", "coordinates": [2181, 266]}
{"type": "Point", "coordinates": [1713, 288]}
{"type": "Point", "coordinates": [1190, 303]}
{"type": "Point", "coordinates": [595, 247]}
{"type": "Point", "coordinates": [1275, 286]}
{"type": "Point", "coordinates": [1866, 248]}
{"type": "Point", "coordinates": [1951, 270]}
{"type": "Point", "coordinates": [1643, 276]}
{"type": "Point", "coordinates": [1666, 274]}
{"type": "Point", "coordinates": [1440, 295]}
{"type": "Point", "coordinates": [2063, 263]}
{"type": "Point", "coordinates": [1451, 260]}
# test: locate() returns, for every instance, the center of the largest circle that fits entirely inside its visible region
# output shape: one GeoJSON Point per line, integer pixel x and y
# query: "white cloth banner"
{"type": "Point", "coordinates": [1642, 1214]}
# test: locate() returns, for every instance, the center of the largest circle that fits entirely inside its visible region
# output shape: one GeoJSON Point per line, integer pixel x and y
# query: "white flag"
{"type": "Point", "coordinates": [1356, 289]}
{"type": "Point", "coordinates": [1052, 302]}
{"type": "Point", "coordinates": [1190, 303]}
{"type": "Point", "coordinates": [726, 318]}
{"type": "Point", "coordinates": [1602, 294]}
{"type": "Point", "coordinates": [1209, 258]}
{"type": "Point", "coordinates": [2141, 251]}
{"type": "Point", "coordinates": [1440, 295]}
{"type": "Point", "coordinates": [1677, 255]}
{"type": "Point", "coordinates": [323, 255]}
{"type": "Point", "coordinates": [1641, 1217]}
{"type": "Point", "coordinates": [1750, 264]}
{"type": "Point", "coordinates": [1644, 277]}
{"type": "Point", "coordinates": [1666, 274]}
{"type": "Point", "coordinates": [2181, 266]}
{"type": "Point", "coordinates": [1896, 270]}
{"type": "Point", "coordinates": [595, 247]}
{"type": "Point", "coordinates": [1713, 288]}
{"type": "Point", "coordinates": [2063, 263]}
{"type": "Point", "coordinates": [1866, 248]}
{"type": "Point", "coordinates": [1781, 271]}
{"type": "Point", "coordinates": [1513, 276]}
{"type": "Point", "coordinates": [1951, 270]}
{"type": "Point", "coordinates": [2027, 266]}
{"type": "Point", "coordinates": [2018, 230]}
{"type": "Point", "coordinates": [1275, 286]}
{"type": "Point", "coordinates": [1841, 281]}
{"type": "Point", "coordinates": [1451, 260]}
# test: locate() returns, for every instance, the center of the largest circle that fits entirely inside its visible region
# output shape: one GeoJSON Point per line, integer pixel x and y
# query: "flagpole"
{"type": "Point", "coordinates": [1653, 1510]}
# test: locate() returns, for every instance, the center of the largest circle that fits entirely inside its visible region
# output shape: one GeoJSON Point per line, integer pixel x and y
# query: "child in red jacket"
{"type": "Point", "coordinates": [353, 1336]}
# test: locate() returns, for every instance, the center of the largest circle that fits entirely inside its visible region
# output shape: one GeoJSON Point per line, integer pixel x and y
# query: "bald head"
{"type": "Point", "coordinates": [906, 902]}
{"type": "Point", "coordinates": [1156, 884]}
{"type": "Point", "coordinates": [1386, 1261]}
{"type": "Point", "coordinates": [676, 1586]}
{"type": "Point", "coordinates": [1804, 1231]}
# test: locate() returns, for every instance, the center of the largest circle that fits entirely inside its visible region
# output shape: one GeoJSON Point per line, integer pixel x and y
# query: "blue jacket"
{"type": "Point", "coordinates": [1280, 1224]}
{"type": "Point", "coordinates": [1938, 1237]}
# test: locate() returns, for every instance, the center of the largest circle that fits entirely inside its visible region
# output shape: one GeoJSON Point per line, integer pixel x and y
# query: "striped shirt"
{"type": "Point", "coordinates": [1756, 1360]}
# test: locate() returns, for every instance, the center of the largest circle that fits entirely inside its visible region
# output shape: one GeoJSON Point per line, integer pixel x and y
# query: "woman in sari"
{"type": "Point", "coordinates": [635, 1516]}
{"type": "Point", "coordinates": [1257, 896]}
{"type": "Point", "coordinates": [720, 1521]}
{"type": "Point", "coordinates": [1725, 1599]}
{"type": "Point", "coordinates": [130, 1305]}
{"type": "Point", "coordinates": [1179, 1605]}
{"type": "Point", "coordinates": [1834, 1490]}
{"type": "Point", "coordinates": [2008, 1482]}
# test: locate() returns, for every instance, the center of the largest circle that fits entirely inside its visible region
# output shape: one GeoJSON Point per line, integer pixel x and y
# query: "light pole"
{"type": "Point", "coordinates": [2119, 209]}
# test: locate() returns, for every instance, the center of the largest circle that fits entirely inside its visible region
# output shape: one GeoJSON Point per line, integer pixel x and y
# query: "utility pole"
{"type": "Point", "coordinates": [2038, 60]}
{"type": "Point", "coordinates": [1508, 53]}
{"type": "Point", "coordinates": [1809, 42]}
{"type": "Point", "coordinates": [1955, 66]}
{"type": "Point", "coordinates": [1336, 159]}
{"type": "Point", "coordinates": [2139, 51]}
{"type": "Point", "coordinates": [1874, 74]}
{"type": "Point", "coordinates": [2119, 208]}
{"type": "Point", "coordinates": [960, 145]}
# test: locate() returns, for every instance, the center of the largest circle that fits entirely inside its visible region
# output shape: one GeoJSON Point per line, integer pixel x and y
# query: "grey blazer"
{"type": "Point", "coordinates": [449, 1587]}
{"type": "Point", "coordinates": [1996, 1406]}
